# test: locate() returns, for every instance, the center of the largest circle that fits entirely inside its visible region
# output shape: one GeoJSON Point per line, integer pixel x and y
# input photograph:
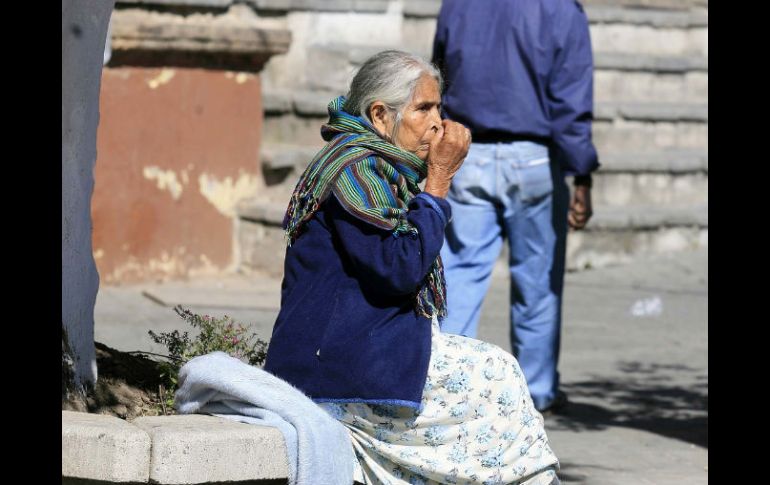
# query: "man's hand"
{"type": "Point", "coordinates": [580, 210]}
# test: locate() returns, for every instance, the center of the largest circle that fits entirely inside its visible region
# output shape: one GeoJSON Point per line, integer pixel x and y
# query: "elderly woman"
{"type": "Point", "coordinates": [363, 294]}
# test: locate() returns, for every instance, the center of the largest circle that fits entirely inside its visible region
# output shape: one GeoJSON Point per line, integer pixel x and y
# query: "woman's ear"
{"type": "Point", "coordinates": [381, 119]}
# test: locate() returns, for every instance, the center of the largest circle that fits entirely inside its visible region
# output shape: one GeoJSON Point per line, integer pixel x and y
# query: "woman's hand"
{"type": "Point", "coordinates": [447, 152]}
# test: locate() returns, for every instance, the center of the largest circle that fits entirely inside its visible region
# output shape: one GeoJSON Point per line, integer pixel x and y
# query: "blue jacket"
{"type": "Point", "coordinates": [347, 330]}
{"type": "Point", "coordinates": [520, 68]}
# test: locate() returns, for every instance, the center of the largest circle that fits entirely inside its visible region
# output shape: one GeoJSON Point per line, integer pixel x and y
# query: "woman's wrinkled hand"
{"type": "Point", "coordinates": [448, 149]}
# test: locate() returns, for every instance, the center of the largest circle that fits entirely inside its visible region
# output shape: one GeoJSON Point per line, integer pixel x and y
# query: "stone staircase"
{"type": "Point", "coordinates": [650, 123]}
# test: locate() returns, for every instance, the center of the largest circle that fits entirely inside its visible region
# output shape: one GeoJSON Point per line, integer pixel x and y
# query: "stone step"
{"type": "Point", "coordinates": [610, 240]}
{"type": "Point", "coordinates": [660, 178]}
{"type": "Point", "coordinates": [652, 112]}
{"type": "Point", "coordinates": [617, 128]}
{"type": "Point", "coordinates": [358, 6]}
{"type": "Point", "coordinates": [642, 62]}
{"type": "Point", "coordinates": [297, 157]}
{"type": "Point", "coordinates": [268, 213]}
{"type": "Point", "coordinates": [656, 13]}
{"type": "Point", "coordinates": [271, 214]}
{"type": "Point", "coordinates": [260, 236]}
{"type": "Point", "coordinates": [651, 29]}
{"type": "Point", "coordinates": [644, 77]}
{"type": "Point", "coordinates": [614, 234]}
{"type": "Point", "coordinates": [313, 104]}
{"type": "Point", "coordinates": [650, 179]}
{"type": "Point", "coordinates": [665, 178]}
{"type": "Point", "coordinates": [636, 136]}
{"type": "Point", "coordinates": [660, 13]}
{"type": "Point", "coordinates": [619, 235]}
{"type": "Point", "coordinates": [652, 17]}
{"type": "Point", "coordinates": [667, 161]}
{"type": "Point", "coordinates": [605, 217]}
{"type": "Point", "coordinates": [288, 157]}
{"type": "Point", "coordinates": [614, 86]}
{"type": "Point", "coordinates": [645, 39]}
{"type": "Point", "coordinates": [273, 6]}
{"type": "Point", "coordinates": [647, 217]}
{"type": "Point", "coordinates": [289, 128]}
{"type": "Point", "coordinates": [675, 178]}
{"type": "Point", "coordinates": [654, 189]}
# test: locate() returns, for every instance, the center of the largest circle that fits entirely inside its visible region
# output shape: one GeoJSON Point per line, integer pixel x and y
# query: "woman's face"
{"type": "Point", "coordinates": [420, 122]}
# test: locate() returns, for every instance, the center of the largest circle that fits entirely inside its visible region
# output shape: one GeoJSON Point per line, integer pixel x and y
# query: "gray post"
{"type": "Point", "coordinates": [83, 34]}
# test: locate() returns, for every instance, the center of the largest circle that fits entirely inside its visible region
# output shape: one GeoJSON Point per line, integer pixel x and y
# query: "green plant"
{"type": "Point", "coordinates": [216, 334]}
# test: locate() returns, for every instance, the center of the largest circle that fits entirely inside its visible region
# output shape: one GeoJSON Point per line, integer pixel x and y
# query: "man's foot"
{"type": "Point", "coordinates": [556, 406]}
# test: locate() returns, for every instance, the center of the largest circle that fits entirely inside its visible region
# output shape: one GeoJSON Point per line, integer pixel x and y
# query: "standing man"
{"type": "Point", "coordinates": [519, 74]}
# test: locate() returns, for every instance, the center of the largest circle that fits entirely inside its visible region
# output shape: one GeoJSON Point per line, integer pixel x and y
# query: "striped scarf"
{"type": "Point", "coordinates": [374, 180]}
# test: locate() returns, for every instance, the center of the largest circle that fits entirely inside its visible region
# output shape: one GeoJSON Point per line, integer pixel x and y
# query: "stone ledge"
{"type": "Point", "coordinates": [657, 18]}
{"type": "Point", "coordinates": [270, 213]}
{"type": "Point", "coordinates": [152, 39]}
{"type": "Point", "coordinates": [281, 157]}
{"type": "Point", "coordinates": [364, 6]}
{"type": "Point", "coordinates": [666, 161]}
{"type": "Point", "coordinates": [641, 62]}
{"type": "Point", "coordinates": [189, 449]}
{"type": "Point", "coordinates": [647, 218]}
{"type": "Point", "coordinates": [100, 447]}
{"type": "Point", "coordinates": [694, 112]}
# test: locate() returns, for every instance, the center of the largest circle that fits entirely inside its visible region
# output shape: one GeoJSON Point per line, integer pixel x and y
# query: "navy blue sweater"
{"type": "Point", "coordinates": [347, 330]}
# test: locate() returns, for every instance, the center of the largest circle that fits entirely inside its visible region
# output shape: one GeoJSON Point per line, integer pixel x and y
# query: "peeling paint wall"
{"type": "Point", "coordinates": [226, 193]}
{"type": "Point", "coordinates": [178, 149]}
{"type": "Point", "coordinates": [165, 180]}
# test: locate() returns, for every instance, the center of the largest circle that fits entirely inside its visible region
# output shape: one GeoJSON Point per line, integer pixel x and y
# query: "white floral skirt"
{"type": "Point", "coordinates": [477, 424]}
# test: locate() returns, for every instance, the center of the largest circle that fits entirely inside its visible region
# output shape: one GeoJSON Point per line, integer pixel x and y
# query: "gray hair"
{"type": "Point", "coordinates": [391, 77]}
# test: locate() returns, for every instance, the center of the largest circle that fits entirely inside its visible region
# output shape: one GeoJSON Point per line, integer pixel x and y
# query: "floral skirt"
{"type": "Point", "coordinates": [476, 425]}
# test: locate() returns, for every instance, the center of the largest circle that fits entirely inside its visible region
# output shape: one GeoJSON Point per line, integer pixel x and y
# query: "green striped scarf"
{"type": "Point", "coordinates": [374, 180]}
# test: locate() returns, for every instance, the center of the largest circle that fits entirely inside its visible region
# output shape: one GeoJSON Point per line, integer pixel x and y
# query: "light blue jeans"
{"type": "Point", "coordinates": [514, 191]}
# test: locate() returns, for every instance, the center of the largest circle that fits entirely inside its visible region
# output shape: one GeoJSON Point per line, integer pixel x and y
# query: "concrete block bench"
{"type": "Point", "coordinates": [191, 449]}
